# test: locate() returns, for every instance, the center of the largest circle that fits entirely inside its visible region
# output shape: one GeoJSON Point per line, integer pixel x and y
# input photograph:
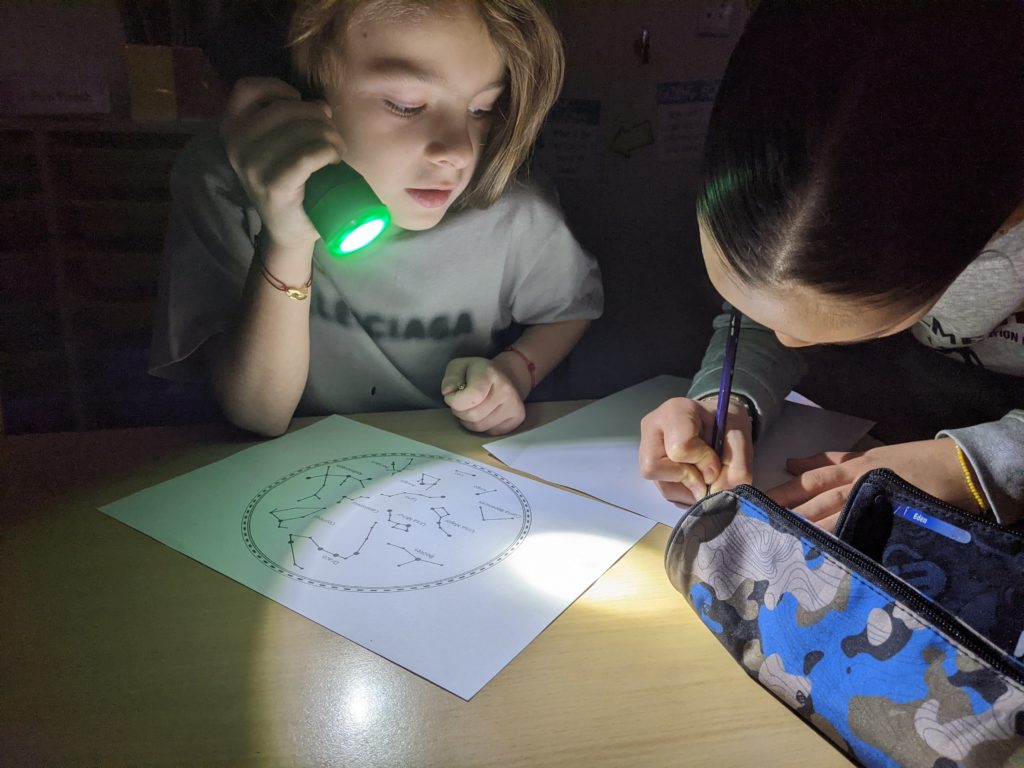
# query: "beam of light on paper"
{"type": "Point", "coordinates": [424, 557]}
{"type": "Point", "coordinates": [542, 563]}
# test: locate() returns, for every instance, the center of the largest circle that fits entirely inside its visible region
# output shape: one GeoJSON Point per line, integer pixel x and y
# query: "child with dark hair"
{"type": "Point", "coordinates": [863, 176]}
{"type": "Point", "coordinates": [437, 105]}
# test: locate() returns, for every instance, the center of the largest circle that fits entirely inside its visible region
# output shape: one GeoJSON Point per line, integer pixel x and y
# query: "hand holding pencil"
{"type": "Point", "coordinates": [690, 448]}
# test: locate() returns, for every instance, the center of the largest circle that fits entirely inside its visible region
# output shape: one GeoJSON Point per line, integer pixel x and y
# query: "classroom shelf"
{"type": "Point", "coordinates": [83, 207]}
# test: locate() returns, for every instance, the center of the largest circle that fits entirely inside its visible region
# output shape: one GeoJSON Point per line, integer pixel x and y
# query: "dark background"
{"type": "Point", "coordinates": [84, 199]}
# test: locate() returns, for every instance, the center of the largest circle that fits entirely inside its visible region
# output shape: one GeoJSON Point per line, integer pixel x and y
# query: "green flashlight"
{"type": "Point", "coordinates": [344, 210]}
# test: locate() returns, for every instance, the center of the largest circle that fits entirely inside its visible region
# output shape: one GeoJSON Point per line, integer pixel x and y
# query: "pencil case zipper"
{"type": "Point", "coordinates": [899, 589]}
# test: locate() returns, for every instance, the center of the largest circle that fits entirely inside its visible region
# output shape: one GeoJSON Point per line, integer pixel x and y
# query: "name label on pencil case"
{"type": "Point", "coordinates": [933, 523]}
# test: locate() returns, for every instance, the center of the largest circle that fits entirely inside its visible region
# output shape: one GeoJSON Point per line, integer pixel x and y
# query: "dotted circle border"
{"type": "Point", "coordinates": [254, 548]}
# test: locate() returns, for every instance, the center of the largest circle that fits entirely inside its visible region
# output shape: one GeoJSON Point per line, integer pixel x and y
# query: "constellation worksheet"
{"type": "Point", "coordinates": [440, 564]}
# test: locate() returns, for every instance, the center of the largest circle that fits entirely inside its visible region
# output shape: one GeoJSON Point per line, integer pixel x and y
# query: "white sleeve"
{"type": "Point", "coordinates": [552, 278]}
{"type": "Point", "coordinates": [207, 253]}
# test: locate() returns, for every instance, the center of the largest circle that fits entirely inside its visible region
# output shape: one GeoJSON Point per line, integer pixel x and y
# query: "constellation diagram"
{"type": "Point", "coordinates": [386, 522]}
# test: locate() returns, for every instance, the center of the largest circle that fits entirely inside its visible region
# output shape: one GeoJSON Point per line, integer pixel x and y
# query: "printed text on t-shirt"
{"type": "Point", "coordinates": [380, 325]}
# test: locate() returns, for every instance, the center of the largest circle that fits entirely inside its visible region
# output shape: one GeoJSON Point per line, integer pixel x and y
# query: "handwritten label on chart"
{"type": "Point", "coordinates": [684, 109]}
{"type": "Point", "coordinates": [567, 146]}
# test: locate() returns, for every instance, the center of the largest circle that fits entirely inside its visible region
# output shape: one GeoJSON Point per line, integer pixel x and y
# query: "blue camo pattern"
{"type": "Point", "coordinates": [883, 685]}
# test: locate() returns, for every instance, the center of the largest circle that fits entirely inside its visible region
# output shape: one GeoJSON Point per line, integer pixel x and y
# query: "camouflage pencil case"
{"type": "Point", "coordinates": [895, 663]}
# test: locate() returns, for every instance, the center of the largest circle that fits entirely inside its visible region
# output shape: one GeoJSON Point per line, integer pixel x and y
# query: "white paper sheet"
{"type": "Point", "coordinates": [594, 449]}
{"type": "Point", "coordinates": [445, 566]}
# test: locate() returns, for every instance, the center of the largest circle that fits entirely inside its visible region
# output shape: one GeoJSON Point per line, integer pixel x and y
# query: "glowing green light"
{"type": "Point", "coordinates": [362, 235]}
{"type": "Point", "coordinates": [344, 210]}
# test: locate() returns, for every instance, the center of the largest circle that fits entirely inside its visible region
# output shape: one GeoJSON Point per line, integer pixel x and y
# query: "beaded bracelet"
{"type": "Point", "coordinates": [970, 480]}
{"type": "Point", "coordinates": [529, 366]}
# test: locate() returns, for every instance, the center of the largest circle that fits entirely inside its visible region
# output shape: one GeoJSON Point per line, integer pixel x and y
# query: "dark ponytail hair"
{"type": "Point", "coordinates": [866, 149]}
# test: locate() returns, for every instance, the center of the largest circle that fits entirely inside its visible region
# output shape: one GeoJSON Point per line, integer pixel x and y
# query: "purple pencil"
{"type": "Point", "coordinates": [725, 388]}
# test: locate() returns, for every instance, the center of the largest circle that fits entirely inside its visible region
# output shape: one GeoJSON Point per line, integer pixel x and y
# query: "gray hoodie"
{"type": "Point", "coordinates": [980, 319]}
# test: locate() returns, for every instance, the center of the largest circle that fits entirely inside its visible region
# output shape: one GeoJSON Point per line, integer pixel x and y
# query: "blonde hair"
{"type": "Point", "coordinates": [522, 33]}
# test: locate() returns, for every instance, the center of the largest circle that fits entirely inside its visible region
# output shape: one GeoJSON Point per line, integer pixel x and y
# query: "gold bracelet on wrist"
{"type": "Point", "coordinates": [299, 293]}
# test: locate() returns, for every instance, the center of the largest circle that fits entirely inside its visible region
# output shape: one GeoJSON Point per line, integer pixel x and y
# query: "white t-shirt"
{"type": "Point", "coordinates": [384, 322]}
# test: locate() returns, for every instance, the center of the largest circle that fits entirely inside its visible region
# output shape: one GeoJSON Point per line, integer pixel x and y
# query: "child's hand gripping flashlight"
{"type": "Point", "coordinates": [343, 209]}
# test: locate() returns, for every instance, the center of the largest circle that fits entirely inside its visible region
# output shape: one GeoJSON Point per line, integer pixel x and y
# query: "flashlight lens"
{"type": "Point", "coordinates": [362, 235]}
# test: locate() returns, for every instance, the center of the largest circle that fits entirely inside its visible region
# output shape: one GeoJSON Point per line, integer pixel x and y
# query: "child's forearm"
{"type": "Point", "coordinates": [545, 346]}
{"type": "Point", "coordinates": [259, 367]}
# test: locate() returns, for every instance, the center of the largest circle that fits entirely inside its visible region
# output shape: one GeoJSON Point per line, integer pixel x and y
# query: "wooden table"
{"type": "Point", "coordinates": [117, 650]}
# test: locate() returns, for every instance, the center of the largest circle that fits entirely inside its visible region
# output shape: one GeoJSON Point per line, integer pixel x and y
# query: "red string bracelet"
{"type": "Point", "coordinates": [529, 365]}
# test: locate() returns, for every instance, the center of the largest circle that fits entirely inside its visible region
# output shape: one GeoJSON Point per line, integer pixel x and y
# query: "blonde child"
{"type": "Point", "coordinates": [437, 105]}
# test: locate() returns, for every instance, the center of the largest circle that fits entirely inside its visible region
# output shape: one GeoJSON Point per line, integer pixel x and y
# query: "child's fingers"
{"type": "Point", "coordinates": [674, 430]}
{"type": "Point", "coordinates": [484, 416]}
{"type": "Point", "coordinates": [666, 470]}
{"type": "Point", "coordinates": [490, 402]}
{"type": "Point", "coordinates": [474, 403]}
{"type": "Point", "coordinates": [818, 460]}
{"type": "Point", "coordinates": [684, 442]}
{"type": "Point", "coordinates": [737, 461]}
{"type": "Point", "coordinates": [809, 485]}
{"type": "Point", "coordinates": [495, 416]}
{"type": "Point", "coordinates": [291, 172]}
{"type": "Point", "coordinates": [250, 95]}
{"type": "Point", "coordinates": [652, 450]}
{"type": "Point", "coordinates": [824, 508]}
{"type": "Point", "coordinates": [449, 389]}
{"type": "Point", "coordinates": [790, 493]}
{"type": "Point", "coordinates": [480, 397]}
{"type": "Point", "coordinates": [253, 151]}
{"type": "Point", "coordinates": [454, 379]}
{"type": "Point", "coordinates": [277, 123]}
{"type": "Point", "coordinates": [667, 474]}
{"type": "Point", "coordinates": [696, 452]}
{"type": "Point", "coordinates": [671, 449]}
{"type": "Point", "coordinates": [828, 523]}
{"type": "Point", "coordinates": [690, 476]}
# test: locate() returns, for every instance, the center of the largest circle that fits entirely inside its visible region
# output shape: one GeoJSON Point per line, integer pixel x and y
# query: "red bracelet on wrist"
{"type": "Point", "coordinates": [529, 365]}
